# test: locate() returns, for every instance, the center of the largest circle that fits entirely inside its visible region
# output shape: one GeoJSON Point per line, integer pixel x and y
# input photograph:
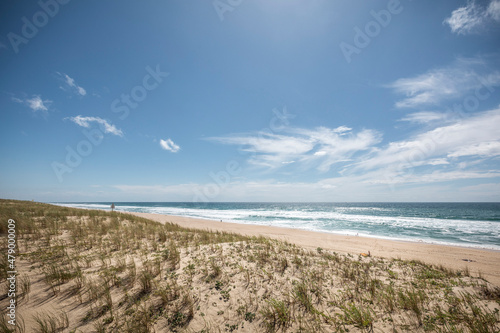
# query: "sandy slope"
{"type": "Point", "coordinates": [485, 262]}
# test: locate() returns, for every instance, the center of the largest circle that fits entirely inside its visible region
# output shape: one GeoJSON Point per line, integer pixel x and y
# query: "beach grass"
{"type": "Point", "coordinates": [97, 271]}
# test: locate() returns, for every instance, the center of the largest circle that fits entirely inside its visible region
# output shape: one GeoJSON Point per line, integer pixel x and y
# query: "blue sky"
{"type": "Point", "coordinates": [239, 100]}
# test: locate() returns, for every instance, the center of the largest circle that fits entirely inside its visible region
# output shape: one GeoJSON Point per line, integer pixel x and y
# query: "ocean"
{"type": "Point", "coordinates": [463, 224]}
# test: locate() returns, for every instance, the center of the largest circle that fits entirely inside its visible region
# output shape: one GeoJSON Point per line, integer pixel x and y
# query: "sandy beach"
{"type": "Point", "coordinates": [483, 262]}
{"type": "Point", "coordinates": [82, 270]}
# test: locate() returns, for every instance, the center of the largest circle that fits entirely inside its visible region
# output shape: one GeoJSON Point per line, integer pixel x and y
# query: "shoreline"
{"type": "Point", "coordinates": [389, 239]}
{"type": "Point", "coordinates": [482, 262]}
{"type": "Point", "coordinates": [468, 244]}
{"type": "Point", "coordinates": [83, 270]}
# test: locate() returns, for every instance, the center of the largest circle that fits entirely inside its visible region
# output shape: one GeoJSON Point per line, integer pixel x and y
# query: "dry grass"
{"type": "Point", "coordinates": [129, 274]}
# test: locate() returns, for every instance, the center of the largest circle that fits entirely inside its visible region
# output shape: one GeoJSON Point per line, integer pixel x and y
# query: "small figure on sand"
{"type": "Point", "coordinates": [112, 206]}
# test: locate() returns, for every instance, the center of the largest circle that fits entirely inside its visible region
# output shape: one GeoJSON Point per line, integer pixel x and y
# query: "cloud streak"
{"type": "Point", "coordinates": [425, 117]}
{"type": "Point", "coordinates": [465, 75]}
{"type": "Point", "coordinates": [452, 149]}
{"type": "Point", "coordinates": [473, 17]}
{"type": "Point", "coordinates": [169, 145]}
{"type": "Point", "coordinates": [494, 10]}
{"type": "Point", "coordinates": [321, 147]}
{"type": "Point", "coordinates": [105, 125]}
{"type": "Point", "coordinates": [448, 141]}
{"type": "Point", "coordinates": [35, 103]}
{"type": "Point", "coordinates": [71, 85]}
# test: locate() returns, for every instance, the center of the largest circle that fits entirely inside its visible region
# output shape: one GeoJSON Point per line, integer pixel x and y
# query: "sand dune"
{"type": "Point", "coordinates": [95, 271]}
{"type": "Point", "coordinates": [484, 262]}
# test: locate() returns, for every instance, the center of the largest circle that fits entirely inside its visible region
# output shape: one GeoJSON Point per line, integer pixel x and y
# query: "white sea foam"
{"type": "Point", "coordinates": [363, 221]}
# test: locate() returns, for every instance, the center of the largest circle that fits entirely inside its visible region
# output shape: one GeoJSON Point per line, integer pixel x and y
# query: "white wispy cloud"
{"type": "Point", "coordinates": [320, 147]}
{"type": "Point", "coordinates": [450, 149]}
{"type": "Point", "coordinates": [35, 103]}
{"type": "Point", "coordinates": [332, 147]}
{"type": "Point", "coordinates": [465, 19]}
{"type": "Point", "coordinates": [105, 125]}
{"type": "Point", "coordinates": [482, 149]}
{"type": "Point", "coordinates": [473, 17]}
{"type": "Point", "coordinates": [445, 141]}
{"type": "Point", "coordinates": [494, 10]}
{"type": "Point", "coordinates": [424, 117]}
{"type": "Point", "coordinates": [428, 166]}
{"type": "Point", "coordinates": [342, 129]}
{"type": "Point", "coordinates": [169, 145]}
{"type": "Point", "coordinates": [465, 75]}
{"type": "Point", "coordinates": [71, 85]}
{"type": "Point", "coordinates": [438, 161]}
